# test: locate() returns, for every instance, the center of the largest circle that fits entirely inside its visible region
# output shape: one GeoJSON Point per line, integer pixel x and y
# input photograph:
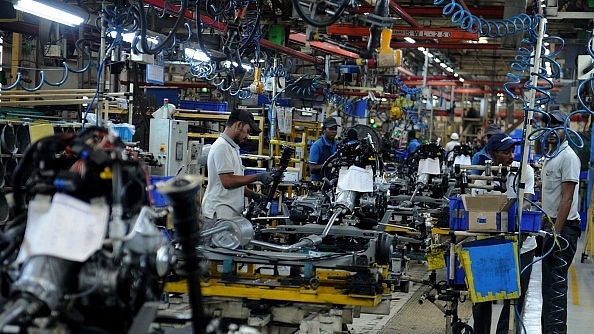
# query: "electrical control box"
{"type": "Point", "coordinates": [169, 144]}
{"type": "Point", "coordinates": [195, 152]}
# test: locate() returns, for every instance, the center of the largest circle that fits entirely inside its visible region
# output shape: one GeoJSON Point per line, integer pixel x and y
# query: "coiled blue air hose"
{"type": "Point", "coordinates": [404, 88]}
{"type": "Point", "coordinates": [475, 24]}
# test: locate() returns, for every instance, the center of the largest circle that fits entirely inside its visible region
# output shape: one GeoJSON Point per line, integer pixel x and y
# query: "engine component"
{"type": "Point", "coordinates": [90, 254]}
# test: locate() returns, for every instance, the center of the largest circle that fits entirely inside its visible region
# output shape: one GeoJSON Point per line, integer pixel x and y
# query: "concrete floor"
{"type": "Point", "coordinates": [408, 317]}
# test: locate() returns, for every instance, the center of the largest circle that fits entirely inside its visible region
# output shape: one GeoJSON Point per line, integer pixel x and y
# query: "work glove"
{"type": "Point", "coordinates": [266, 178]}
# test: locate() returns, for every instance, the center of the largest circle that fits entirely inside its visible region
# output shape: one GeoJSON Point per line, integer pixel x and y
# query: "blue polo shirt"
{"type": "Point", "coordinates": [319, 152]}
{"type": "Point", "coordinates": [479, 158]}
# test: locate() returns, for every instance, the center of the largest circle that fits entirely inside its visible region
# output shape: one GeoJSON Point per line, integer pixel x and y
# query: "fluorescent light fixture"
{"type": "Point", "coordinates": [196, 55]}
{"type": "Point", "coordinates": [456, 75]}
{"type": "Point", "coordinates": [444, 65]}
{"type": "Point", "coordinates": [410, 40]}
{"type": "Point", "coordinates": [449, 69]}
{"type": "Point", "coordinates": [227, 64]}
{"type": "Point", "coordinates": [129, 37]}
{"type": "Point", "coordinates": [436, 60]}
{"type": "Point", "coordinates": [49, 12]}
{"type": "Point", "coordinates": [461, 79]}
{"type": "Point", "coordinates": [420, 48]}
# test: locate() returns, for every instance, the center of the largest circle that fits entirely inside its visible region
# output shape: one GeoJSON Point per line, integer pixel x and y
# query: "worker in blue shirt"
{"type": "Point", "coordinates": [413, 143]}
{"type": "Point", "coordinates": [323, 148]}
{"type": "Point", "coordinates": [481, 156]}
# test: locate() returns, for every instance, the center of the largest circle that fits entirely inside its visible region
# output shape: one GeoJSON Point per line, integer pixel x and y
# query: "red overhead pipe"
{"type": "Point", "coordinates": [404, 15]}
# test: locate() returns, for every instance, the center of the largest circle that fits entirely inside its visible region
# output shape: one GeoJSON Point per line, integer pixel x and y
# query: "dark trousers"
{"type": "Point", "coordinates": [554, 279]}
{"type": "Point", "coordinates": [481, 312]}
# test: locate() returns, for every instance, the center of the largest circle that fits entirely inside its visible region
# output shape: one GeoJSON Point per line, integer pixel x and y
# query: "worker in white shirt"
{"type": "Point", "coordinates": [449, 146]}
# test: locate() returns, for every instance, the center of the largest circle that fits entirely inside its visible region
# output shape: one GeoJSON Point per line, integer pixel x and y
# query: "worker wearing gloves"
{"type": "Point", "coordinates": [323, 148]}
{"type": "Point", "coordinates": [500, 148]}
{"type": "Point", "coordinates": [226, 189]}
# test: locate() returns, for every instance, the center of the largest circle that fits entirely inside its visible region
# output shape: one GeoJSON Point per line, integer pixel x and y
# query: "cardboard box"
{"type": "Point", "coordinates": [487, 213]}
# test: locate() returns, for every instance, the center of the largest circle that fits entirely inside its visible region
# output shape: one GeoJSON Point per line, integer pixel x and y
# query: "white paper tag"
{"type": "Point", "coordinates": [355, 179]}
{"type": "Point", "coordinates": [67, 228]}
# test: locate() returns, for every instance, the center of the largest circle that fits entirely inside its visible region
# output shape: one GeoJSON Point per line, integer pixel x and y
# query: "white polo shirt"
{"type": "Point", "coordinates": [223, 158]}
{"type": "Point", "coordinates": [564, 167]}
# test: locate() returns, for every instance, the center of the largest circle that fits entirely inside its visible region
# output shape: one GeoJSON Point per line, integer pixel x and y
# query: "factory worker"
{"type": "Point", "coordinates": [226, 189]}
{"type": "Point", "coordinates": [560, 198]}
{"type": "Point", "coordinates": [500, 148]}
{"type": "Point", "coordinates": [449, 146]}
{"type": "Point", "coordinates": [481, 156]}
{"type": "Point", "coordinates": [323, 148]}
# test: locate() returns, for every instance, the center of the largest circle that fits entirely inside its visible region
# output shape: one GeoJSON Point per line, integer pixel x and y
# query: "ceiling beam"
{"type": "Point", "coordinates": [439, 33]}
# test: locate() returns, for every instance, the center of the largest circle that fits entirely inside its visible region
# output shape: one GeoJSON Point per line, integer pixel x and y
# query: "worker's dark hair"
{"type": "Point", "coordinates": [412, 134]}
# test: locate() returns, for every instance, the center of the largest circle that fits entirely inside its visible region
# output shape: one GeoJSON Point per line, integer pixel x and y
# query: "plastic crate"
{"type": "Point", "coordinates": [124, 131]}
{"type": "Point", "coordinates": [203, 105]}
{"type": "Point", "coordinates": [531, 220]}
{"type": "Point", "coordinates": [492, 269]}
{"type": "Point", "coordinates": [458, 216]}
{"type": "Point", "coordinates": [159, 200]}
{"type": "Point", "coordinates": [357, 109]}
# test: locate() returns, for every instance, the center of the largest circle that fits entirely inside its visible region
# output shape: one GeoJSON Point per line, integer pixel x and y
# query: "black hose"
{"type": "Point", "coordinates": [182, 193]}
{"type": "Point", "coordinates": [170, 37]}
{"type": "Point", "coordinates": [319, 24]}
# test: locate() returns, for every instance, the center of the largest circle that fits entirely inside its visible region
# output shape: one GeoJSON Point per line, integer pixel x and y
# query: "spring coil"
{"type": "Point", "coordinates": [309, 90]}
{"type": "Point", "coordinates": [412, 116]}
{"type": "Point", "coordinates": [340, 102]}
{"type": "Point", "coordinates": [404, 88]}
{"type": "Point", "coordinates": [475, 24]}
{"type": "Point", "coordinates": [558, 288]}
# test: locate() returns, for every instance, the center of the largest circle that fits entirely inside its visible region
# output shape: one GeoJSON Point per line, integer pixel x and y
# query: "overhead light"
{"type": "Point", "coordinates": [436, 60]}
{"type": "Point", "coordinates": [449, 69]}
{"type": "Point", "coordinates": [456, 75]}
{"type": "Point", "coordinates": [50, 11]}
{"type": "Point", "coordinates": [129, 37]}
{"type": "Point", "coordinates": [196, 54]}
{"type": "Point", "coordinates": [420, 48]}
{"type": "Point", "coordinates": [444, 65]}
{"type": "Point", "coordinates": [227, 64]}
{"type": "Point", "coordinates": [461, 79]}
{"type": "Point", "coordinates": [410, 40]}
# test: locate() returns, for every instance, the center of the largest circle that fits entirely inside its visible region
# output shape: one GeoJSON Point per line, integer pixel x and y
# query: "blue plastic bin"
{"type": "Point", "coordinates": [159, 200]}
{"type": "Point", "coordinates": [125, 131]}
{"type": "Point", "coordinates": [531, 220]}
{"type": "Point", "coordinates": [357, 109]}
{"type": "Point", "coordinates": [459, 276]}
{"type": "Point", "coordinates": [203, 105]}
{"type": "Point", "coordinates": [458, 216]}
